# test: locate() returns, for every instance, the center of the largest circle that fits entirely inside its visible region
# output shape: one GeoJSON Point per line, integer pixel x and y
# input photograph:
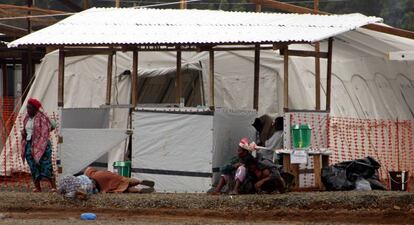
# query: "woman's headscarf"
{"type": "Point", "coordinates": [35, 103]}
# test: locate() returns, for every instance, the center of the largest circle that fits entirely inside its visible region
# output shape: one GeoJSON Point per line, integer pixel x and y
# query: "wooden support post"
{"type": "Point", "coordinates": [259, 6]}
{"type": "Point", "coordinates": [85, 4]}
{"type": "Point", "coordinates": [183, 4]}
{"type": "Point", "coordinates": [29, 13]}
{"type": "Point", "coordinates": [178, 90]}
{"type": "Point", "coordinates": [329, 75]}
{"type": "Point", "coordinates": [134, 79]}
{"type": "Point", "coordinates": [317, 65]}
{"type": "Point", "coordinates": [61, 77]}
{"type": "Point", "coordinates": [4, 74]}
{"type": "Point", "coordinates": [317, 78]}
{"type": "Point", "coordinates": [117, 3]}
{"type": "Point", "coordinates": [211, 78]}
{"type": "Point", "coordinates": [109, 79]}
{"type": "Point", "coordinates": [317, 170]}
{"type": "Point", "coordinates": [286, 78]}
{"type": "Point", "coordinates": [256, 77]}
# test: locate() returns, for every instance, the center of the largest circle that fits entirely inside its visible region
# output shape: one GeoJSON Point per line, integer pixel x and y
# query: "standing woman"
{"type": "Point", "coordinates": [36, 146]}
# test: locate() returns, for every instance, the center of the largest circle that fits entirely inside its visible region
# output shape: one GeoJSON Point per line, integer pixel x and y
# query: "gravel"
{"type": "Point", "coordinates": [319, 207]}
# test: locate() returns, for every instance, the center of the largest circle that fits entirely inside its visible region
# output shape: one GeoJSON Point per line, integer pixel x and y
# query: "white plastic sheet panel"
{"type": "Point", "coordinates": [81, 147]}
{"type": "Point", "coordinates": [173, 149]}
{"type": "Point", "coordinates": [229, 127]}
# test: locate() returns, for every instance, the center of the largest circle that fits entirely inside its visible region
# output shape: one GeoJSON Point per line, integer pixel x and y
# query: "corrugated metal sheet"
{"type": "Point", "coordinates": [103, 26]}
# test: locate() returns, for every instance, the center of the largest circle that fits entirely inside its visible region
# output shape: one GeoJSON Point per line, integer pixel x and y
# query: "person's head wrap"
{"type": "Point", "coordinates": [35, 103]}
{"type": "Point", "coordinates": [244, 144]}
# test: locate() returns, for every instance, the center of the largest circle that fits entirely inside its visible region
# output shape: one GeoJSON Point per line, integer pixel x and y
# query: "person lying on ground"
{"type": "Point", "coordinates": [267, 177]}
{"type": "Point", "coordinates": [81, 187]}
{"type": "Point", "coordinates": [109, 182]}
{"type": "Point", "coordinates": [36, 146]}
{"type": "Point", "coordinates": [234, 173]}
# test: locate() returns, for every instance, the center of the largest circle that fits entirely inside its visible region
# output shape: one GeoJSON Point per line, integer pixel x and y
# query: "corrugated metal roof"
{"type": "Point", "coordinates": [107, 26]}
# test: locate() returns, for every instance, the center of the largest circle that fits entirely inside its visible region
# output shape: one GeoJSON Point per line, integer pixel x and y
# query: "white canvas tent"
{"type": "Point", "coordinates": [366, 83]}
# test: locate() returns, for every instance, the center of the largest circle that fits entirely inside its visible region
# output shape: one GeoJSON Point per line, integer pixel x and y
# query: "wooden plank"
{"type": "Point", "coordinates": [33, 9]}
{"type": "Point", "coordinates": [211, 78]}
{"type": "Point", "coordinates": [298, 9]}
{"type": "Point", "coordinates": [134, 79]}
{"type": "Point", "coordinates": [301, 53]}
{"type": "Point", "coordinates": [286, 79]}
{"type": "Point", "coordinates": [329, 75]}
{"type": "Point", "coordinates": [256, 77]}
{"type": "Point", "coordinates": [317, 78]}
{"type": "Point", "coordinates": [109, 79]}
{"type": "Point", "coordinates": [74, 54]}
{"type": "Point", "coordinates": [317, 169]}
{"type": "Point", "coordinates": [390, 30]}
{"type": "Point", "coordinates": [178, 81]}
{"type": "Point", "coordinates": [61, 77]}
{"type": "Point", "coordinates": [4, 74]}
{"type": "Point", "coordinates": [283, 6]}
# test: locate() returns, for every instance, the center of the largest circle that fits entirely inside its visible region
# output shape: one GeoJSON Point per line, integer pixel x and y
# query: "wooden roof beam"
{"type": "Point", "coordinates": [33, 9]}
{"type": "Point", "coordinates": [71, 5]}
{"type": "Point", "coordinates": [298, 9]}
{"type": "Point", "coordinates": [12, 31]}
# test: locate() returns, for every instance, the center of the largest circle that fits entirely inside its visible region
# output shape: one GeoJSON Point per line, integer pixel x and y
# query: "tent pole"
{"type": "Point", "coordinates": [211, 78]}
{"type": "Point", "coordinates": [134, 79]}
{"type": "Point", "coordinates": [317, 65]}
{"type": "Point", "coordinates": [109, 79]}
{"type": "Point", "coordinates": [178, 94]}
{"type": "Point", "coordinates": [329, 75]}
{"type": "Point", "coordinates": [285, 78]}
{"type": "Point", "coordinates": [61, 77]}
{"type": "Point", "coordinates": [256, 77]}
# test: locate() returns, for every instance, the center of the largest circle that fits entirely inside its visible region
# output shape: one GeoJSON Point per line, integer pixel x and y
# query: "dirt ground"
{"type": "Point", "coordinates": [374, 207]}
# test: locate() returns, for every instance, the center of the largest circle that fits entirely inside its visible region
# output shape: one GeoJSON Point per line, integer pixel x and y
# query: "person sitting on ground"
{"type": "Point", "coordinates": [109, 182]}
{"type": "Point", "coordinates": [81, 187]}
{"type": "Point", "coordinates": [267, 177]}
{"type": "Point", "coordinates": [235, 172]}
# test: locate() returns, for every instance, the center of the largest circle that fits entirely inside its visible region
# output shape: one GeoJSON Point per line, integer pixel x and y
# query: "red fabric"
{"type": "Point", "coordinates": [40, 136]}
{"type": "Point", "coordinates": [34, 102]}
{"type": "Point", "coordinates": [244, 143]}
